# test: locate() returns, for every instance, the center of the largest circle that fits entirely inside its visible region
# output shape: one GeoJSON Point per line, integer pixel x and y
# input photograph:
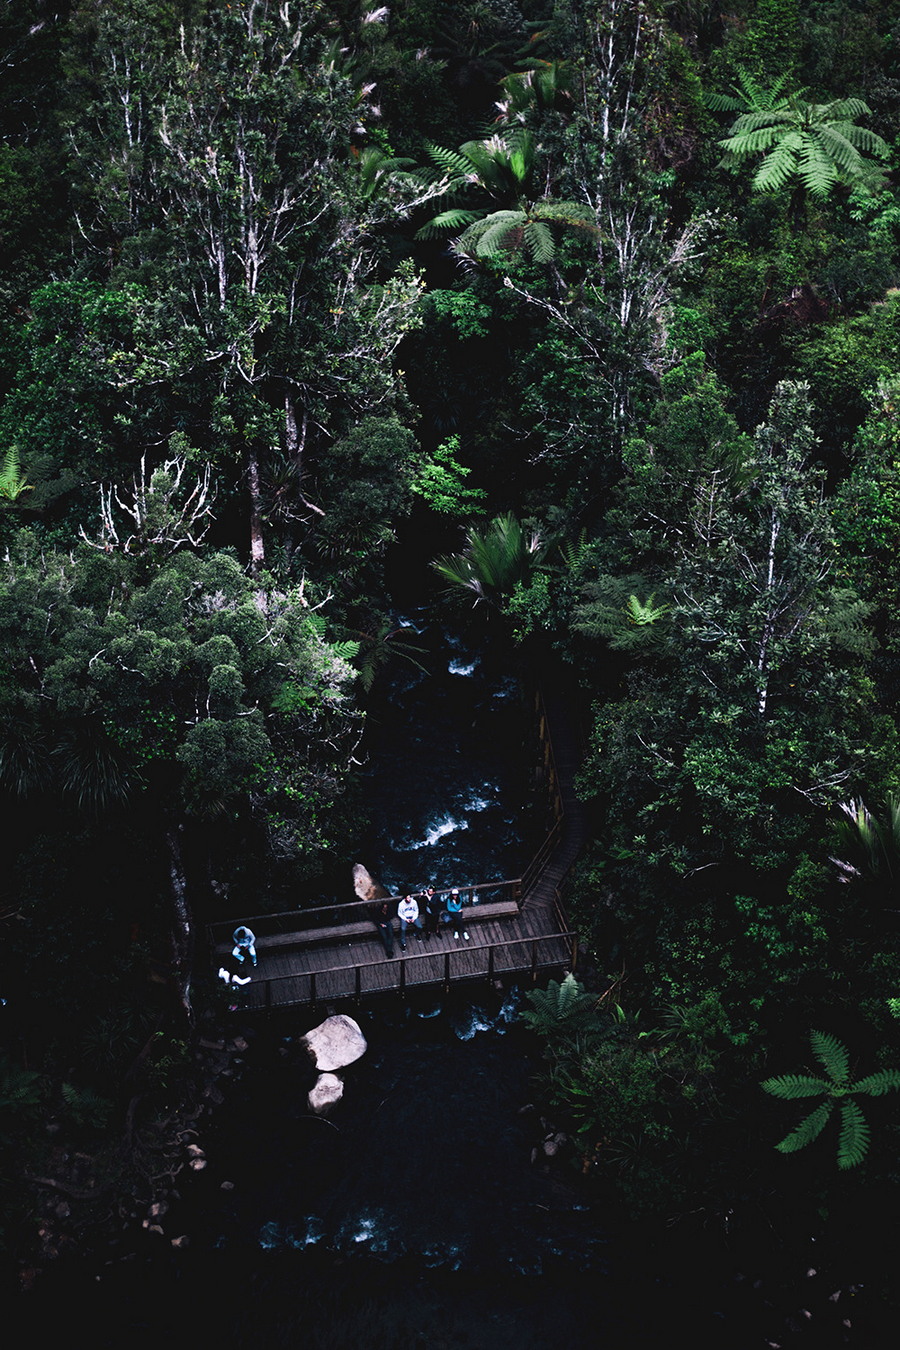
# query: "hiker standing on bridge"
{"type": "Point", "coordinates": [408, 914]}
{"type": "Point", "coordinates": [432, 907]}
{"type": "Point", "coordinates": [382, 921]}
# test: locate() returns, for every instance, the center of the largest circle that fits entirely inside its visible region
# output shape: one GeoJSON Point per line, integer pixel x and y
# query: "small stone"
{"type": "Point", "coordinates": [195, 1151]}
{"type": "Point", "coordinates": [551, 1148]}
{"type": "Point", "coordinates": [240, 1044]}
{"type": "Point", "coordinates": [327, 1091]}
{"type": "Point", "coordinates": [158, 1209]}
{"type": "Point", "coordinates": [227, 1186]}
{"type": "Point", "coordinates": [62, 1210]}
{"type": "Point", "coordinates": [155, 1228]}
{"type": "Point", "coordinates": [198, 1164]}
{"type": "Point", "coordinates": [182, 1241]}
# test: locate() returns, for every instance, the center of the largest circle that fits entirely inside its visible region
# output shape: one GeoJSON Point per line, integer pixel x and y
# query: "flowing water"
{"type": "Point", "coordinates": [452, 753]}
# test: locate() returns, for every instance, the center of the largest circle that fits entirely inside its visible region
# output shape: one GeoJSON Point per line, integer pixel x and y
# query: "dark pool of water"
{"type": "Point", "coordinates": [415, 1216]}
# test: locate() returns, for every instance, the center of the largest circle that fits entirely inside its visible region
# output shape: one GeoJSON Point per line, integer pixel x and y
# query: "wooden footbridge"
{"type": "Point", "coordinates": [516, 927]}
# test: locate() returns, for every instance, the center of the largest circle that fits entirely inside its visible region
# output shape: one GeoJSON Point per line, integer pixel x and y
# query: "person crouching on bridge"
{"type": "Point", "coordinates": [408, 914]}
{"type": "Point", "coordinates": [244, 945]}
{"type": "Point", "coordinates": [382, 918]}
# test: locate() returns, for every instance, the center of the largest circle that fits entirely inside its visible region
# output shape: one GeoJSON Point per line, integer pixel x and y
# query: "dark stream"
{"type": "Point", "coordinates": [416, 1215]}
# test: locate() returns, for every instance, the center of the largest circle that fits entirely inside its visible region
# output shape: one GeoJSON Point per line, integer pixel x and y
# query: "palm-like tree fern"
{"type": "Point", "coordinates": [835, 1090]}
{"type": "Point", "coordinates": [869, 847]}
{"type": "Point", "coordinates": [817, 145]}
{"type": "Point", "coordinates": [499, 169]}
{"type": "Point", "coordinates": [563, 1007]}
{"type": "Point", "coordinates": [493, 560]}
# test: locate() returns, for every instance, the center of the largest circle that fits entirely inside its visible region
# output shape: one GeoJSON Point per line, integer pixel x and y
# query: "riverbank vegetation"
{"type": "Point", "coordinates": [584, 312]}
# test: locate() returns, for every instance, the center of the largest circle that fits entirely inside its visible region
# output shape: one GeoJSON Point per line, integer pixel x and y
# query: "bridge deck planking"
{"type": "Point", "coordinates": [424, 969]}
{"type": "Point", "coordinates": [513, 941]}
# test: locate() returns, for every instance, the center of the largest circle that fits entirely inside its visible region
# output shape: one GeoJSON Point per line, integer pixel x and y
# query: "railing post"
{"type": "Point", "coordinates": [358, 985]}
{"type": "Point", "coordinates": [491, 964]}
{"type": "Point", "coordinates": [312, 990]}
{"type": "Point", "coordinates": [446, 972]}
{"type": "Point", "coordinates": [402, 980]}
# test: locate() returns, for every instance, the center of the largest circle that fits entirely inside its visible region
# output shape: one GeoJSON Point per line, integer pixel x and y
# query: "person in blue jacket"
{"type": "Point", "coordinates": [453, 914]}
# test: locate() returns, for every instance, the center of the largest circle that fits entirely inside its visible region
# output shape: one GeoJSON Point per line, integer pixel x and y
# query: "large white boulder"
{"type": "Point", "coordinates": [365, 885]}
{"type": "Point", "coordinates": [328, 1090]}
{"type": "Point", "coordinates": [338, 1041]}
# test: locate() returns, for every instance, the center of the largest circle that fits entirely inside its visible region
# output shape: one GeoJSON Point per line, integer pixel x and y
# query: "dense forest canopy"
{"type": "Point", "coordinates": [583, 312]}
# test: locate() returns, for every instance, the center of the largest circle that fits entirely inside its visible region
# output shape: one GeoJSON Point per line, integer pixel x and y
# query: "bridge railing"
{"type": "Point", "coordinates": [514, 956]}
{"type": "Point", "coordinates": [345, 913]}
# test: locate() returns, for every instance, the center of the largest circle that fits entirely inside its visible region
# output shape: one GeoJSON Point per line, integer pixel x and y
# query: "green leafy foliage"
{"type": "Point", "coordinates": [442, 482]}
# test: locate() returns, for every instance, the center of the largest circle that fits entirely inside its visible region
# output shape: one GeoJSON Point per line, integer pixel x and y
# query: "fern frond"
{"type": "Point", "coordinates": [877, 1084]}
{"type": "Point", "coordinates": [776, 170]}
{"type": "Point", "coordinates": [449, 161]}
{"type": "Point", "coordinates": [568, 213]}
{"type": "Point", "coordinates": [854, 1141]}
{"type": "Point", "coordinates": [453, 219]}
{"type": "Point", "coordinates": [833, 1055]}
{"type": "Point", "coordinates": [647, 613]}
{"type": "Point", "coordinates": [539, 241]}
{"type": "Point", "coordinates": [790, 1086]}
{"type": "Point", "coordinates": [315, 625]}
{"type": "Point", "coordinates": [808, 1129]}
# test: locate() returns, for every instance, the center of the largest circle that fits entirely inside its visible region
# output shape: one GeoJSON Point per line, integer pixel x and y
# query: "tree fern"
{"type": "Point", "coordinates": [493, 561]}
{"type": "Point", "coordinates": [833, 1055]}
{"type": "Point", "coordinates": [561, 1007]}
{"type": "Point", "coordinates": [817, 145]}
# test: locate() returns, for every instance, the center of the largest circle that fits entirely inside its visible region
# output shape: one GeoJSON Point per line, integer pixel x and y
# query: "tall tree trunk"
{"type": "Point", "coordinates": [257, 550]}
{"type": "Point", "coordinates": [295, 443]}
{"type": "Point", "coordinates": [182, 929]}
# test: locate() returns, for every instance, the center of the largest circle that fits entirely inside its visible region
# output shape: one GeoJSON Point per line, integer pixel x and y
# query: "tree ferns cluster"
{"type": "Point", "coordinates": [305, 301]}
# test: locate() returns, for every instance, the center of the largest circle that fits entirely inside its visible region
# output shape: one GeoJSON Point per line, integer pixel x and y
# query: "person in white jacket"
{"type": "Point", "coordinates": [408, 914]}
